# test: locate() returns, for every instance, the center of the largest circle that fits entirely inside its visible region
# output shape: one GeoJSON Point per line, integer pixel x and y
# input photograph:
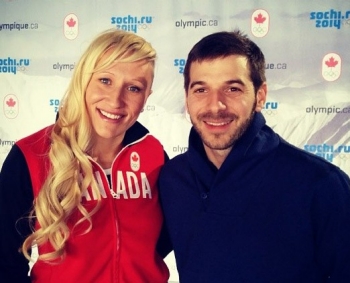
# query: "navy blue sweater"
{"type": "Point", "coordinates": [272, 213]}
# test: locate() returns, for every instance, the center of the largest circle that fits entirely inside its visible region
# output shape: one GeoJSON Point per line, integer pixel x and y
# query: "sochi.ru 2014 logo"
{"type": "Point", "coordinates": [260, 22]}
{"type": "Point", "coordinates": [132, 23]}
{"type": "Point", "coordinates": [71, 26]}
{"type": "Point", "coordinates": [10, 65]}
{"type": "Point", "coordinates": [331, 67]}
{"type": "Point", "coordinates": [11, 106]}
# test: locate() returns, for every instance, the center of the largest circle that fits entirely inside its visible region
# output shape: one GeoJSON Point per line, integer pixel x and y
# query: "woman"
{"type": "Point", "coordinates": [92, 176]}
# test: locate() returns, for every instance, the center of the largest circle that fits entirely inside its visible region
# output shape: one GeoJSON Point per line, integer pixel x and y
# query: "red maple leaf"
{"type": "Point", "coordinates": [71, 23]}
{"type": "Point", "coordinates": [260, 19]}
{"type": "Point", "coordinates": [331, 62]}
{"type": "Point", "coordinates": [134, 158]}
{"type": "Point", "coordinates": [11, 102]}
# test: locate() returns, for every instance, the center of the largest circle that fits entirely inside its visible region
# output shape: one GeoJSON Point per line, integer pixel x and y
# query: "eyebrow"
{"type": "Point", "coordinates": [141, 80]}
{"type": "Point", "coordinates": [229, 82]}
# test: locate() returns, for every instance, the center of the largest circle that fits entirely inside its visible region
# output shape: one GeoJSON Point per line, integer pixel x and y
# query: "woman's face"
{"type": "Point", "coordinates": [115, 97]}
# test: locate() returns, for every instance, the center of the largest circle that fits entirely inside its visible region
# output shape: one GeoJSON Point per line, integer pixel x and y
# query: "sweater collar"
{"type": "Point", "coordinates": [257, 141]}
{"type": "Point", "coordinates": [241, 146]}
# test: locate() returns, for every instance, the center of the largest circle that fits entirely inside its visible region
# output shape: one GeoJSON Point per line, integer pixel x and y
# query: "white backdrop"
{"type": "Point", "coordinates": [306, 44]}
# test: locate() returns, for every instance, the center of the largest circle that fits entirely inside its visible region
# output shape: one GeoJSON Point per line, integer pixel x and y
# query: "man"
{"type": "Point", "coordinates": [243, 205]}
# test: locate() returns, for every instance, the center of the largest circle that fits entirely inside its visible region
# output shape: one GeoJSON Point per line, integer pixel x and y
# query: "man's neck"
{"type": "Point", "coordinates": [217, 156]}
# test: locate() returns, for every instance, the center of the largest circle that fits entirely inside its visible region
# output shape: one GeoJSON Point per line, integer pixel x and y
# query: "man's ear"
{"type": "Point", "coordinates": [261, 97]}
{"type": "Point", "coordinates": [186, 97]}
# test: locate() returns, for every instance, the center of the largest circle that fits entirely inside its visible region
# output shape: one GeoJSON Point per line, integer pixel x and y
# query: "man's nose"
{"type": "Point", "coordinates": [217, 101]}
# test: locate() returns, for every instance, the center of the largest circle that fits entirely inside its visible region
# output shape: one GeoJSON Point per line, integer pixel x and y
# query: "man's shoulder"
{"type": "Point", "coordinates": [175, 163]}
{"type": "Point", "coordinates": [298, 159]}
{"type": "Point", "coordinates": [180, 158]}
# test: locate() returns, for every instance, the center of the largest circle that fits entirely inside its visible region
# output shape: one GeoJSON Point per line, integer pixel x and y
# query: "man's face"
{"type": "Point", "coordinates": [221, 100]}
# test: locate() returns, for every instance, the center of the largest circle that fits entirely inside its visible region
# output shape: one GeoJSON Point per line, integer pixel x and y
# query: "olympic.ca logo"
{"type": "Point", "coordinates": [11, 106]}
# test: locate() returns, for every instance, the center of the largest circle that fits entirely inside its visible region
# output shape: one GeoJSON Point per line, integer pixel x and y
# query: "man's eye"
{"type": "Point", "coordinates": [199, 90]}
{"type": "Point", "coordinates": [134, 88]}
{"type": "Point", "coordinates": [105, 81]}
{"type": "Point", "coordinates": [234, 89]}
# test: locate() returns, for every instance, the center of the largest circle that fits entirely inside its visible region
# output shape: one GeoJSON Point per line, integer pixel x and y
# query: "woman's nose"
{"type": "Point", "coordinates": [115, 97]}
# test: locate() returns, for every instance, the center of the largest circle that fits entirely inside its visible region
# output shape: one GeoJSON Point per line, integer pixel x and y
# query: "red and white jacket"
{"type": "Point", "coordinates": [121, 246]}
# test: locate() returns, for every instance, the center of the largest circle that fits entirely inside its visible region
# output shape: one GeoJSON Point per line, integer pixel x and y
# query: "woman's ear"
{"type": "Point", "coordinates": [261, 97]}
{"type": "Point", "coordinates": [150, 92]}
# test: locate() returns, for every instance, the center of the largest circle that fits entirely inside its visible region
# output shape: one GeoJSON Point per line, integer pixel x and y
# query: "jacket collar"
{"type": "Point", "coordinates": [134, 133]}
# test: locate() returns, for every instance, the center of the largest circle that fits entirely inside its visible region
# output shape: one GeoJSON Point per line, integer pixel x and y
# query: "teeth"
{"type": "Point", "coordinates": [109, 115]}
{"type": "Point", "coordinates": [217, 124]}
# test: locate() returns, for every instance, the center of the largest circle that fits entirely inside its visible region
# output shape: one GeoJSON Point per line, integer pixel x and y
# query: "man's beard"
{"type": "Point", "coordinates": [233, 137]}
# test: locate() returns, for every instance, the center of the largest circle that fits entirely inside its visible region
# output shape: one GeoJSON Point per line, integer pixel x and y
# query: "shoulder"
{"type": "Point", "coordinates": [37, 141]}
{"type": "Point", "coordinates": [35, 149]}
{"type": "Point", "coordinates": [14, 161]}
{"type": "Point", "coordinates": [175, 164]}
{"type": "Point", "coordinates": [15, 181]}
{"type": "Point", "coordinates": [296, 160]}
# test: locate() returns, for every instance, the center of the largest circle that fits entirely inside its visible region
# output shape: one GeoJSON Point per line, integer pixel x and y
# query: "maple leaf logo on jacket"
{"type": "Point", "coordinates": [135, 161]}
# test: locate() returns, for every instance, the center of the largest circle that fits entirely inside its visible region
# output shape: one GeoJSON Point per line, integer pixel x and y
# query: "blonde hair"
{"type": "Point", "coordinates": [71, 171]}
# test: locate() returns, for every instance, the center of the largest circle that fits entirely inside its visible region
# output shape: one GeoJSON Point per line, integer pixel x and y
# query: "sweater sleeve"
{"type": "Point", "coordinates": [164, 245]}
{"type": "Point", "coordinates": [331, 214]}
{"type": "Point", "coordinates": [16, 199]}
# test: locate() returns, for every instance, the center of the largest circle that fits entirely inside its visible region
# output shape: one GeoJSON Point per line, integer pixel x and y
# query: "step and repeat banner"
{"type": "Point", "coordinates": [306, 45]}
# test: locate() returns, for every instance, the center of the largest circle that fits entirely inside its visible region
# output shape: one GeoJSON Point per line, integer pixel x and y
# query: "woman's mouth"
{"type": "Point", "coordinates": [110, 115]}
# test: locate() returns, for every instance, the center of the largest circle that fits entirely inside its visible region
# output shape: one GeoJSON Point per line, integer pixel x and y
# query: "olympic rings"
{"type": "Point", "coordinates": [10, 112]}
{"type": "Point", "coordinates": [331, 73]}
{"type": "Point", "coordinates": [70, 33]}
{"type": "Point", "coordinates": [270, 112]}
{"type": "Point", "coordinates": [343, 156]}
{"type": "Point", "coordinates": [259, 29]}
{"type": "Point", "coordinates": [143, 26]}
{"type": "Point", "coordinates": [21, 68]}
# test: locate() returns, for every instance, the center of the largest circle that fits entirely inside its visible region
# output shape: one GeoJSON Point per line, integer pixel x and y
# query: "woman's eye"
{"type": "Point", "coordinates": [134, 88]}
{"type": "Point", "coordinates": [105, 81]}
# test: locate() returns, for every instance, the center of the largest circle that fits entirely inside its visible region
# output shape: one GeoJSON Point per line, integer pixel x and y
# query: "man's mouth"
{"type": "Point", "coordinates": [217, 124]}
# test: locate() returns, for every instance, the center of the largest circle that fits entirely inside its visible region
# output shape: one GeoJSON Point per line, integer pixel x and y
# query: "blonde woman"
{"type": "Point", "coordinates": [90, 179]}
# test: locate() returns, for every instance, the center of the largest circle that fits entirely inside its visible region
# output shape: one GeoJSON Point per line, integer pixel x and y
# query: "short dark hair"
{"type": "Point", "coordinates": [223, 44]}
